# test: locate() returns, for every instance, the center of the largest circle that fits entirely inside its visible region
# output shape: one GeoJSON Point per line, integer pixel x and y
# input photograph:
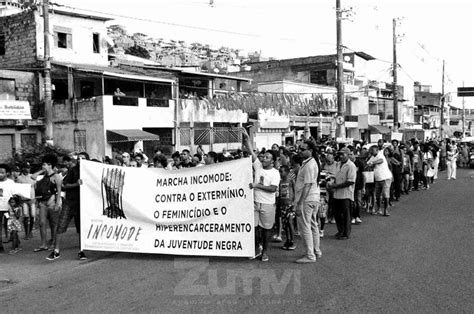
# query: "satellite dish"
{"type": "Point", "coordinates": [347, 58]}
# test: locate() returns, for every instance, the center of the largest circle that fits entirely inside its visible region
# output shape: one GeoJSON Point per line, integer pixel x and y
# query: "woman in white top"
{"type": "Point", "coordinates": [451, 156]}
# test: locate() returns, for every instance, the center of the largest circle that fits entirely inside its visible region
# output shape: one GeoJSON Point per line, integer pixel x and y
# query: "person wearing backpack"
{"type": "Point", "coordinates": [48, 194]}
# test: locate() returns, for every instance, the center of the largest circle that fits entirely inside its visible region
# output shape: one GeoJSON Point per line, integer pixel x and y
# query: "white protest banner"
{"type": "Point", "coordinates": [194, 211]}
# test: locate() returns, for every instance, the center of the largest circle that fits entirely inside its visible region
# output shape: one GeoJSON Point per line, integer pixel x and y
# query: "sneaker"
{"type": "Point", "coordinates": [318, 255]}
{"type": "Point", "coordinates": [14, 251]}
{"type": "Point", "coordinates": [292, 247]}
{"type": "Point", "coordinates": [332, 221]}
{"type": "Point", "coordinates": [54, 255]}
{"type": "Point", "coordinates": [276, 238]}
{"type": "Point", "coordinates": [265, 257]}
{"type": "Point", "coordinates": [305, 260]}
{"type": "Point", "coordinates": [358, 221]}
{"type": "Point", "coordinates": [321, 233]}
{"type": "Point", "coordinates": [81, 256]}
{"type": "Point", "coordinates": [353, 221]}
{"type": "Point", "coordinates": [258, 253]}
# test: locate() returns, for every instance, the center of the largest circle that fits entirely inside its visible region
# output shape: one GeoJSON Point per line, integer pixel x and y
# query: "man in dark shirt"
{"type": "Point", "coordinates": [71, 204]}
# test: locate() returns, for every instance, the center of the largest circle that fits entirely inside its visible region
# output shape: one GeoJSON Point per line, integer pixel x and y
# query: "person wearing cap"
{"type": "Point", "coordinates": [343, 189]}
{"type": "Point", "coordinates": [382, 177]}
{"type": "Point", "coordinates": [29, 206]}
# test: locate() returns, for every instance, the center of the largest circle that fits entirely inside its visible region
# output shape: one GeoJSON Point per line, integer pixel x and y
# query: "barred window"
{"type": "Point", "coordinates": [80, 141]}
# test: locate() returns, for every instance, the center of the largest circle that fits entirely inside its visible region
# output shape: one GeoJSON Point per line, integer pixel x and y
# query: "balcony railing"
{"type": "Point", "coordinates": [157, 102]}
{"type": "Point", "coordinates": [125, 101]}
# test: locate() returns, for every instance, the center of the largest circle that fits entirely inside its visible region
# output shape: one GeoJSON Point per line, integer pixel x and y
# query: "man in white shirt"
{"type": "Point", "coordinates": [265, 185]}
{"type": "Point", "coordinates": [307, 202]}
{"type": "Point", "coordinates": [382, 177]}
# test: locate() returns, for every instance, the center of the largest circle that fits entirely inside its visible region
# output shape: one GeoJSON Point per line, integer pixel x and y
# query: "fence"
{"type": "Point", "coordinates": [207, 136]}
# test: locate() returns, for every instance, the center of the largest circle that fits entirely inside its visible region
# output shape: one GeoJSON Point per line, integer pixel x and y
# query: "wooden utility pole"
{"type": "Point", "coordinates": [395, 81]}
{"type": "Point", "coordinates": [340, 128]}
{"type": "Point", "coordinates": [442, 106]}
{"type": "Point", "coordinates": [48, 107]}
{"type": "Point", "coordinates": [463, 115]}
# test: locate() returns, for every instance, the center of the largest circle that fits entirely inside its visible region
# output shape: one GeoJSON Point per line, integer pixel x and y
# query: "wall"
{"type": "Point", "coordinates": [20, 36]}
{"type": "Point", "coordinates": [266, 140]}
{"type": "Point", "coordinates": [82, 45]}
{"type": "Point", "coordinates": [26, 87]}
{"type": "Point", "coordinates": [82, 115]}
{"type": "Point", "coordinates": [191, 113]}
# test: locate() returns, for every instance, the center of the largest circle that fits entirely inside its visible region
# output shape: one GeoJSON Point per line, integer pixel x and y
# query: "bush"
{"type": "Point", "coordinates": [35, 154]}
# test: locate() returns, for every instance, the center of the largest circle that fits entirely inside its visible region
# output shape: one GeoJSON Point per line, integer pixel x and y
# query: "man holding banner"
{"type": "Point", "coordinates": [266, 181]}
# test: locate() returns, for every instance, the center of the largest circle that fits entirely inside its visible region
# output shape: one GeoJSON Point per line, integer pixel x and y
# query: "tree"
{"type": "Point", "coordinates": [138, 52]}
{"type": "Point", "coordinates": [117, 30]}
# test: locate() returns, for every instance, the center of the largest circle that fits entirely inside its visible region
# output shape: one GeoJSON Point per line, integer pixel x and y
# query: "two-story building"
{"type": "Point", "coordinates": [102, 106]}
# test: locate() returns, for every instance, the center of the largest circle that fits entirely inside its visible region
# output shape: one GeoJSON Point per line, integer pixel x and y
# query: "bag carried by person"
{"type": "Point", "coordinates": [45, 188]}
{"type": "Point", "coordinates": [430, 173]}
{"type": "Point", "coordinates": [368, 176]}
{"type": "Point", "coordinates": [323, 210]}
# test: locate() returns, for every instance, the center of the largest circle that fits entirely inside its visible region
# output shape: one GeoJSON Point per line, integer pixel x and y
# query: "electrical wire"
{"type": "Point", "coordinates": [170, 23]}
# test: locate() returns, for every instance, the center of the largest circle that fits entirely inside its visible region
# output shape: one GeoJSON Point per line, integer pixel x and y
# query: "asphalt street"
{"type": "Point", "coordinates": [417, 260]}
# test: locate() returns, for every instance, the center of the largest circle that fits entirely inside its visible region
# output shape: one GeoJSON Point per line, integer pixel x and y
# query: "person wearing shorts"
{"type": "Point", "coordinates": [383, 179]}
{"type": "Point", "coordinates": [265, 185]}
{"type": "Point", "coordinates": [29, 206]}
{"type": "Point", "coordinates": [71, 205]}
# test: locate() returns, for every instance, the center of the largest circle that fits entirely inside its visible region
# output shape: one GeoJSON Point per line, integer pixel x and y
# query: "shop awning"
{"type": "Point", "coordinates": [380, 129]}
{"type": "Point", "coordinates": [130, 135]}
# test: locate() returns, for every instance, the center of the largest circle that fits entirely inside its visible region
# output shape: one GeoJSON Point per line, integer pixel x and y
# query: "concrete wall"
{"type": "Point", "coordinates": [82, 44]}
{"type": "Point", "coordinates": [82, 115]}
{"type": "Point", "coordinates": [191, 112]}
{"type": "Point", "coordinates": [20, 36]}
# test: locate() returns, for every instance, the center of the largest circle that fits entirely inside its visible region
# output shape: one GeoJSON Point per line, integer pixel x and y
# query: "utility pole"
{"type": "Point", "coordinates": [463, 115]}
{"type": "Point", "coordinates": [48, 106]}
{"type": "Point", "coordinates": [442, 106]}
{"type": "Point", "coordinates": [340, 128]}
{"type": "Point", "coordinates": [395, 81]}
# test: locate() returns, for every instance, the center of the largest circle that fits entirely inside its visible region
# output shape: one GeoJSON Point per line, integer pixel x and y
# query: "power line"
{"type": "Point", "coordinates": [170, 23]}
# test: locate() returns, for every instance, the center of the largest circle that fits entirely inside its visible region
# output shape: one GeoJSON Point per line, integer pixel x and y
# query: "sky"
{"type": "Point", "coordinates": [428, 31]}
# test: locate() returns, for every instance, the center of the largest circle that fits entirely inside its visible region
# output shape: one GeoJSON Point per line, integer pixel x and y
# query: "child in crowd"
{"type": "Point", "coordinates": [14, 224]}
{"type": "Point", "coordinates": [285, 206]}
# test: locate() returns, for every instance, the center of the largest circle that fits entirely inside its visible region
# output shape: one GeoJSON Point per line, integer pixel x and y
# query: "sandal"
{"type": "Point", "coordinates": [41, 248]}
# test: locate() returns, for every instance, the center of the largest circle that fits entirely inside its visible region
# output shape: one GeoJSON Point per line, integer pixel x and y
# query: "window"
{"type": "Point", "coordinates": [80, 141]}
{"type": "Point", "coordinates": [96, 42]}
{"type": "Point", "coordinates": [28, 141]}
{"type": "Point", "coordinates": [2, 44]}
{"type": "Point", "coordinates": [7, 89]}
{"type": "Point", "coordinates": [87, 89]}
{"type": "Point", "coordinates": [62, 37]}
{"type": "Point", "coordinates": [318, 77]}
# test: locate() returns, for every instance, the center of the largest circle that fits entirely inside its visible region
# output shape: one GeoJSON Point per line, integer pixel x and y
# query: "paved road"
{"type": "Point", "coordinates": [417, 260]}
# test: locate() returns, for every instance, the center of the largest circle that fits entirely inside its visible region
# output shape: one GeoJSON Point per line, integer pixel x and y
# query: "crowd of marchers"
{"type": "Point", "coordinates": [298, 188]}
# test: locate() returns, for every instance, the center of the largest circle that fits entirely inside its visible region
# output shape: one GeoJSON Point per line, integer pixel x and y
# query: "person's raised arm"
{"type": "Point", "coordinates": [248, 144]}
